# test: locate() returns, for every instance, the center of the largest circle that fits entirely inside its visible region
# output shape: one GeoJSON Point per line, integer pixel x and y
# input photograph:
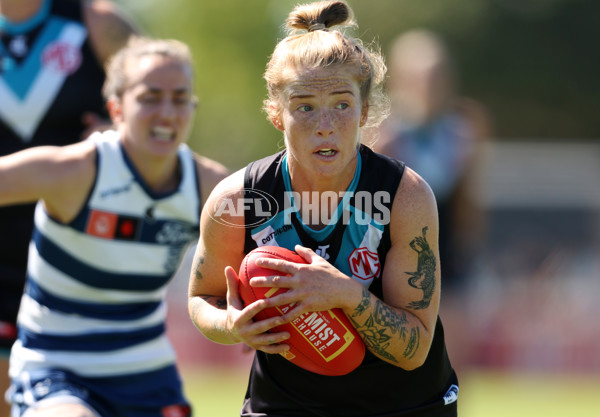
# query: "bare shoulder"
{"type": "Point", "coordinates": [222, 235]}
{"type": "Point", "coordinates": [222, 213]}
{"type": "Point", "coordinates": [414, 206]}
{"type": "Point", "coordinates": [109, 26]}
{"type": "Point", "coordinates": [210, 173]}
{"type": "Point", "coordinates": [228, 189]}
{"type": "Point", "coordinates": [413, 189]}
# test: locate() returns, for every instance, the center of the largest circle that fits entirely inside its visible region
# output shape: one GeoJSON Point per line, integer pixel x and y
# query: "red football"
{"type": "Point", "coordinates": [324, 342]}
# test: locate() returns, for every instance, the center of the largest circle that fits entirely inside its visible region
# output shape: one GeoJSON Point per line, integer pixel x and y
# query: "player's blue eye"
{"type": "Point", "coordinates": [306, 107]}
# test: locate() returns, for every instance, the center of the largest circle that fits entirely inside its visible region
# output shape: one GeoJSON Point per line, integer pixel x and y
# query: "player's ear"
{"type": "Point", "coordinates": [364, 113]}
{"type": "Point", "coordinates": [277, 123]}
{"type": "Point", "coordinates": [115, 109]}
{"type": "Point", "coordinates": [275, 117]}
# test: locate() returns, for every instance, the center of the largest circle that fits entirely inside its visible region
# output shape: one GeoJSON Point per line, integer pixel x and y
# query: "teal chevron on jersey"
{"type": "Point", "coordinates": [334, 243]}
{"type": "Point", "coordinates": [29, 88]}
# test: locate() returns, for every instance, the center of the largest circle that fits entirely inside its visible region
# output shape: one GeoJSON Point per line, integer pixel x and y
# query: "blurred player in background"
{"type": "Point", "coordinates": [52, 54]}
{"type": "Point", "coordinates": [324, 87]}
{"type": "Point", "coordinates": [115, 215]}
{"type": "Point", "coordinates": [439, 135]}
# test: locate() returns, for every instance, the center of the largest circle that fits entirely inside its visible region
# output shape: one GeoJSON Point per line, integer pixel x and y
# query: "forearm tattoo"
{"type": "Point", "coordinates": [219, 302]}
{"type": "Point", "coordinates": [375, 337]}
{"type": "Point", "coordinates": [424, 277]}
{"type": "Point", "coordinates": [413, 343]}
{"type": "Point", "coordinates": [365, 302]}
{"type": "Point", "coordinates": [388, 317]}
{"type": "Point", "coordinates": [376, 329]}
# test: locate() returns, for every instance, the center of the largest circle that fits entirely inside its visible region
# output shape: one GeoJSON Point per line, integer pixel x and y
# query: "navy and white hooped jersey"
{"type": "Point", "coordinates": [356, 242]}
{"type": "Point", "coordinates": [94, 298]}
{"type": "Point", "coordinates": [49, 77]}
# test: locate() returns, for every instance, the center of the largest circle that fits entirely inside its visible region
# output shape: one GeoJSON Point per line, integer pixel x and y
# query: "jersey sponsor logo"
{"type": "Point", "coordinates": [18, 46]}
{"type": "Point", "coordinates": [116, 190]}
{"type": "Point", "coordinates": [364, 264]}
{"type": "Point", "coordinates": [128, 228]}
{"type": "Point", "coordinates": [275, 233]}
{"type": "Point", "coordinates": [62, 57]}
{"type": "Point", "coordinates": [322, 251]}
{"type": "Point", "coordinates": [451, 395]}
{"type": "Point", "coordinates": [101, 224]}
{"type": "Point", "coordinates": [325, 331]}
{"type": "Point", "coordinates": [173, 233]}
{"type": "Point", "coordinates": [108, 225]}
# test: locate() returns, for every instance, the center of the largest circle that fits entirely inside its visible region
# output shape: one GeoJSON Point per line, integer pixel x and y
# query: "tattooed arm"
{"type": "Point", "coordinates": [213, 300]}
{"type": "Point", "coordinates": [218, 247]}
{"type": "Point", "coordinates": [399, 329]}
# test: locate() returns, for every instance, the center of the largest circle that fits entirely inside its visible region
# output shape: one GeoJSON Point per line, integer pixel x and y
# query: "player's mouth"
{"type": "Point", "coordinates": [326, 152]}
{"type": "Point", "coordinates": [163, 133]}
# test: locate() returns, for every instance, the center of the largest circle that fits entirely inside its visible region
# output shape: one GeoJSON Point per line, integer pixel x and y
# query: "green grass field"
{"type": "Point", "coordinates": [218, 392]}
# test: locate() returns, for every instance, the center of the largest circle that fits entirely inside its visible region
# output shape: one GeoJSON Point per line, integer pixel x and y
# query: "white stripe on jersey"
{"type": "Point", "coordinates": [39, 319]}
{"type": "Point", "coordinates": [61, 285]}
{"type": "Point", "coordinates": [147, 356]}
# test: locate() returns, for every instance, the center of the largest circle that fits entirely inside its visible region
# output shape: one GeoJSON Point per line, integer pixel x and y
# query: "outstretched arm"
{"type": "Point", "coordinates": [60, 176]}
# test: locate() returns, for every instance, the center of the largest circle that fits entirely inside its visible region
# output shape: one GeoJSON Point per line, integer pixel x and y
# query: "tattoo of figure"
{"type": "Point", "coordinates": [364, 303]}
{"type": "Point", "coordinates": [424, 277]}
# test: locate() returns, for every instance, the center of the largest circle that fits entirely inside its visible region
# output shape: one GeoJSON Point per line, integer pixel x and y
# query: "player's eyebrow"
{"type": "Point", "coordinates": [182, 90]}
{"type": "Point", "coordinates": [301, 96]}
{"type": "Point", "coordinates": [343, 92]}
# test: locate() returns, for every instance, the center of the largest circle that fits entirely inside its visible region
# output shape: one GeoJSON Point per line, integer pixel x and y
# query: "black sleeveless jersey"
{"type": "Point", "coordinates": [49, 77]}
{"type": "Point", "coordinates": [278, 388]}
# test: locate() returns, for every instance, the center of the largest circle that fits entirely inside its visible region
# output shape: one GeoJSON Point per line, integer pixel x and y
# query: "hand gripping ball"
{"type": "Point", "coordinates": [324, 342]}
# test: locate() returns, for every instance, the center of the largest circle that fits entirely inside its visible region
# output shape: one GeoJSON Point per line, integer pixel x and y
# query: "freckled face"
{"type": "Point", "coordinates": [156, 110]}
{"type": "Point", "coordinates": [321, 113]}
